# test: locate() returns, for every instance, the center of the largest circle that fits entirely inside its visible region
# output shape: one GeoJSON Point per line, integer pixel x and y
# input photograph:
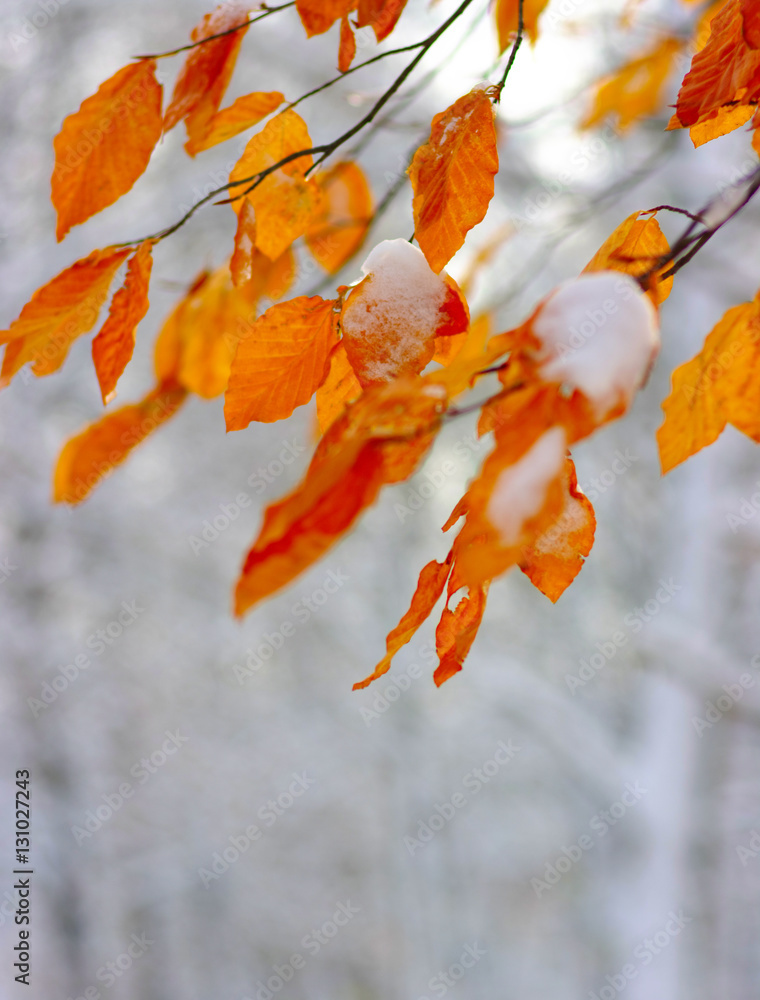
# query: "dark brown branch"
{"type": "Point", "coordinates": [515, 47]}
{"type": "Point", "coordinates": [220, 34]}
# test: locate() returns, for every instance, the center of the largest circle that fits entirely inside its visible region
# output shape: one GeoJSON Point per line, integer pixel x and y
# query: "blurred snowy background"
{"type": "Point", "coordinates": [606, 836]}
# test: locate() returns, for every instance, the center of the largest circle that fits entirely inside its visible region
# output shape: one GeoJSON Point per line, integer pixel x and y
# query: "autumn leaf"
{"type": "Point", "coordinates": [380, 439]}
{"type": "Point", "coordinates": [91, 456]}
{"type": "Point", "coordinates": [720, 385]}
{"type": "Point", "coordinates": [112, 348]}
{"type": "Point", "coordinates": [339, 228]}
{"type": "Point", "coordinates": [250, 267]}
{"type": "Point", "coordinates": [634, 248]}
{"type": "Point", "coordinates": [58, 313]}
{"type": "Point", "coordinates": [198, 340]}
{"type": "Point", "coordinates": [452, 176]}
{"type": "Point", "coordinates": [283, 361]}
{"type": "Point", "coordinates": [556, 556]}
{"type": "Point", "coordinates": [507, 19]}
{"type": "Point", "coordinates": [207, 70]}
{"type": "Point", "coordinates": [456, 632]}
{"type": "Point", "coordinates": [340, 388]}
{"type": "Point", "coordinates": [347, 47]}
{"type": "Point", "coordinates": [391, 319]}
{"type": "Point", "coordinates": [429, 589]}
{"type": "Point", "coordinates": [380, 15]}
{"type": "Point", "coordinates": [719, 123]}
{"type": "Point", "coordinates": [285, 202]}
{"type": "Point", "coordinates": [726, 71]}
{"type": "Point", "coordinates": [318, 16]}
{"type": "Point", "coordinates": [242, 114]}
{"type": "Point", "coordinates": [635, 90]}
{"type": "Point", "coordinates": [106, 145]}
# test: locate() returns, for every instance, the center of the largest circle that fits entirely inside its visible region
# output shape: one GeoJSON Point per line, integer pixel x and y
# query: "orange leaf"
{"type": "Point", "coordinates": [197, 342]}
{"type": "Point", "coordinates": [339, 388]}
{"type": "Point", "coordinates": [250, 267]}
{"type": "Point", "coordinates": [285, 202]}
{"type": "Point", "coordinates": [318, 16]}
{"type": "Point", "coordinates": [112, 348]}
{"type": "Point", "coordinates": [242, 114]}
{"type": "Point", "coordinates": [429, 588]}
{"type": "Point", "coordinates": [90, 457]}
{"type": "Point", "coordinates": [456, 633]}
{"type": "Point", "coordinates": [719, 123]}
{"type": "Point", "coordinates": [391, 319]}
{"type": "Point", "coordinates": [380, 15]}
{"type": "Point", "coordinates": [106, 145]}
{"type": "Point", "coordinates": [720, 385]}
{"type": "Point", "coordinates": [347, 48]}
{"type": "Point", "coordinates": [452, 176]}
{"type": "Point", "coordinates": [727, 70]}
{"type": "Point", "coordinates": [507, 19]}
{"type": "Point", "coordinates": [282, 363]}
{"type": "Point", "coordinates": [635, 90]}
{"type": "Point", "coordinates": [634, 247]}
{"type": "Point", "coordinates": [338, 231]}
{"type": "Point", "coordinates": [381, 438]}
{"type": "Point", "coordinates": [554, 559]}
{"type": "Point", "coordinates": [58, 313]}
{"type": "Point", "coordinates": [204, 77]}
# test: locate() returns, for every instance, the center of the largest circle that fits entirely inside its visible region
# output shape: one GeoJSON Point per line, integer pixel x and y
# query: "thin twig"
{"type": "Point", "coordinates": [220, 34]}
{"type": "Point", "coordinates": [515, 47]}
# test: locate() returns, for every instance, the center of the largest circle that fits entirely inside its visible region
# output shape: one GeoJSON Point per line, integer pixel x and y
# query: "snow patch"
{"type": "Point", "coordinates": [599, 333]}
{"type": "Point", "coordinates": [398, 309]}
{"type": "Point", "coordinates": [520, 490]}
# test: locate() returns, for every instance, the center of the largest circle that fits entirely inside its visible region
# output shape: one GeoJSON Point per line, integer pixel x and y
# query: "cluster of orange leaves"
{"type": "Point", "coordinates": [379, 406]}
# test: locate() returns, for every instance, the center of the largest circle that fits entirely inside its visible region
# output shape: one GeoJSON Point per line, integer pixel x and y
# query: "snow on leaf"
{"type": "Point", "coordinates": [634, 248]}
{"type": "Point", "coordinates": [720, 385]}
{"type": "Point", "coordinates": [452, 176]}
{"type": "Point", "coordinates": [106, 145]}
{"type": "Point", "coordinates": [283, 361]}
{"type": "Point", "coordinates": [380, 15]}
{"type": "Point", "coordinates": [113, 346]}
{"type": "Point", "coordinates": [58, 313]}
{"type": "Point", "coordinates": [636, 90]}
{"type": "Point", "coordinates": [598, 334]}
{"type": "Point", "coordinates": [380, 439]}
{"type": "Point", "coordinates": [340, 388]}
{"type": "Point", "coordinates": [506, 13]}
{"type": "Point", "coordinates": [553, 560]}
{"type": "Point", "coordinates": [242, 114]}
{"type": "Point", "coordinates": [90, 457]}
{"type": "Point", "coordinates": [430, 586]}
{"type": "Point", "coordinates": [391, 319]}
{"type": "Point", "coordinates": [726, 71]}
{"type": "Point", "coordinates": [339, 228]}
{"type": "Point", "coordinates": [204, 77]}
{"type": "Point", "coordinates": [285, 202]}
